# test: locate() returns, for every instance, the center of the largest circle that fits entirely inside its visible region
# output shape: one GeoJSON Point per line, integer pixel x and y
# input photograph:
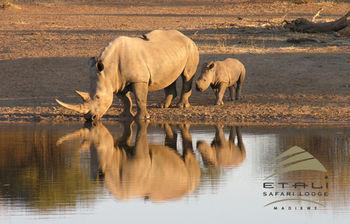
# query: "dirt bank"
{"type": "Point", "coordinates": [44, 51]}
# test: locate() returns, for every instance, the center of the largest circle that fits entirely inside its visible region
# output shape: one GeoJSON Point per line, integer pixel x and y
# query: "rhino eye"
{"type": "Point", "coordinates": [100, 66]}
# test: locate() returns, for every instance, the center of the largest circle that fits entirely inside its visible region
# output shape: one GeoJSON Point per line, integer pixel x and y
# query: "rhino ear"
{"type": "Point", "coordinates": [100, 66]}
{"type": "Point", "coordinates": [211, 65]}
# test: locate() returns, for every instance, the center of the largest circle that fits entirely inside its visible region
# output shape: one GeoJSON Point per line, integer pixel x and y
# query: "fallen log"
{"type": "Point", "coordinates": [345, 32]}
{"type": "Point", "coordinates": [302, 40]}
{"type": "Point", "coordinates": [305, 26]}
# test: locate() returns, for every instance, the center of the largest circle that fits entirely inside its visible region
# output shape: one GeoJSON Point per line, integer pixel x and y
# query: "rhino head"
{"type": "Point", "coordinates": [100, 97]}
{"type": "Point", "coordinates": [206, 77]}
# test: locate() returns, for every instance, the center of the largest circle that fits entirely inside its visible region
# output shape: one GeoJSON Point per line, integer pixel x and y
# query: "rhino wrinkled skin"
{"type": "Point", "coordinates": [220, 75]}
{"type": "Point", "coordinates": [140, 65]}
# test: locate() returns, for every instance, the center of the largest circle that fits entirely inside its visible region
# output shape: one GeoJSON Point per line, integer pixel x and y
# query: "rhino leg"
{"type": "Point", "coordinates": [220, 94]}
{"type": "Point", "coordinates": [126, 99]}
{"type": "Point", "coordinates": [219, 135]}
{"type": "Point", "coordinates": [186, 137]}
{"type": "Point", "coordinates": [170, 94]}
{"type": "Point", "coordinates": [238, 88]}
{"type": "Point", "coordinates": [240, 140]}
{"type": "Point", "coordinates": [141, 143]}
{"type": "Point", "coordinates": [170, 136]}
{"type": "Point", "coordinates": [141, 91]}
{"type": "Point", "coordinates": [189, 157]}
{"type": "Point", "coordinates": [233, 132]}
{"type": "Point", "coordinates": [186, 92]}
{"type": "Point", "coordinates": [232, 92]}
{"type": "Point", "coordinates": [232, 135]}
{"type": "Point", "coordinates": [126, 139]}
{"type": "Point", "coordinates": [169, 132]}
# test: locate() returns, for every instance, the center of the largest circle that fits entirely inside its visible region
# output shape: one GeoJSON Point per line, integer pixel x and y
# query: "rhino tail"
{"type": "Point", "coordinates": [242, 75]}
{"type": "Point", "coordinates": [240, 83]}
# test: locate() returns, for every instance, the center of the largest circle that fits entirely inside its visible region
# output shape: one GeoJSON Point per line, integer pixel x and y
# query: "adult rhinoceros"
{"type": "Point", "coordinates": [141, 65]}
{"type": "Point", "coordinates": [153, 171]}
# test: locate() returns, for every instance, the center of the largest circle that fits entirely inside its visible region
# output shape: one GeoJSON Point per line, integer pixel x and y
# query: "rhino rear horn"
{"type": "Point", "coordinates": [84, 95]}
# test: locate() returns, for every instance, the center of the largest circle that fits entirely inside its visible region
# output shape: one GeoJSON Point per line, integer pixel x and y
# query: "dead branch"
{"type": "Point", "coordinates": [306, 26]}
{"type": "Point", "coordinates": [317, 15]}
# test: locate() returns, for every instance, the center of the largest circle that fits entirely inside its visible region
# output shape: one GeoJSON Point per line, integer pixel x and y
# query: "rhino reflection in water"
{"type": "Point", "coordinates": [155, 172]}
{"type": "Point", "coordinates": [223, 152]}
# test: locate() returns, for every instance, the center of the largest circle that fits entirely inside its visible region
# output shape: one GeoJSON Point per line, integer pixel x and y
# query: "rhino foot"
{"type": "Point", "coordinates": [164, 105]}
{"type": "Point", "coordinates": [219, 103]}
{"type": "Point", "coordinates": [183, 105]}
{"type": "Point", "coordinates": [142, 116]}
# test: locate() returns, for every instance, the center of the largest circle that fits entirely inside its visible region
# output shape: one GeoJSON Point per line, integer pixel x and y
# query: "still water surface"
{"type": "Point", "coordinates": [144, 173]}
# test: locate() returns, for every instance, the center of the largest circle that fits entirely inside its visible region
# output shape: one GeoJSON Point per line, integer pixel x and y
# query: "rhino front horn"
{"type": "Point", "coordinates": [80, 108]}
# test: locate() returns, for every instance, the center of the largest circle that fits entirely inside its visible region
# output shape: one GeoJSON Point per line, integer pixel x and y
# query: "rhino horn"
{"type": "Point", "coordinates": [80, 134]}
{"type": "Point", "coordinates": [84, 95]}
{"type": "Point", "coordinates": [80, 108]}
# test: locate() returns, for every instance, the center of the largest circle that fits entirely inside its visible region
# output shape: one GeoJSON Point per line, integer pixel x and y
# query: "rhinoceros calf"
{"type": "Point", "coordinates": [139, 65]}
{"type": "Point", "coordinates": [220, 75]}
{"type": "Point", "coordinates": [223, 152]}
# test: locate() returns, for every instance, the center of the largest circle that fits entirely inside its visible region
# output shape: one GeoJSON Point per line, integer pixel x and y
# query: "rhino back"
{"type": "Point", "coordinates": [169, 175]}
{"type": "Point", "coordinates": [166, 55]}
{"type": "Point", "coordinates": [126, 177]}
{"type": "Point", "coordinates": [229, 70]}
{"type": "Point", "coordinates": [161, 176]}
{"type": "Point", "coordinates": [158, 60]}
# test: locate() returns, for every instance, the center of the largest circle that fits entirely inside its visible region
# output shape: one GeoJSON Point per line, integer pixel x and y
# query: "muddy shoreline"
{"type": "Point", "coordinates": [44, 55]}
{"type": "Point", "coordinates": [194, 115]}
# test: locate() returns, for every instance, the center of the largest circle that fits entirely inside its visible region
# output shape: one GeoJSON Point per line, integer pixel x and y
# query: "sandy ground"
{"type": "Point", "coordinates": [44, 48]}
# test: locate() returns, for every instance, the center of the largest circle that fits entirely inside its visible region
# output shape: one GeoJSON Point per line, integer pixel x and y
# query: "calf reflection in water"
{"type": "Point", "coordinates": [155, 172]}
{"type": "Point", "coordinates": [223, 152]}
